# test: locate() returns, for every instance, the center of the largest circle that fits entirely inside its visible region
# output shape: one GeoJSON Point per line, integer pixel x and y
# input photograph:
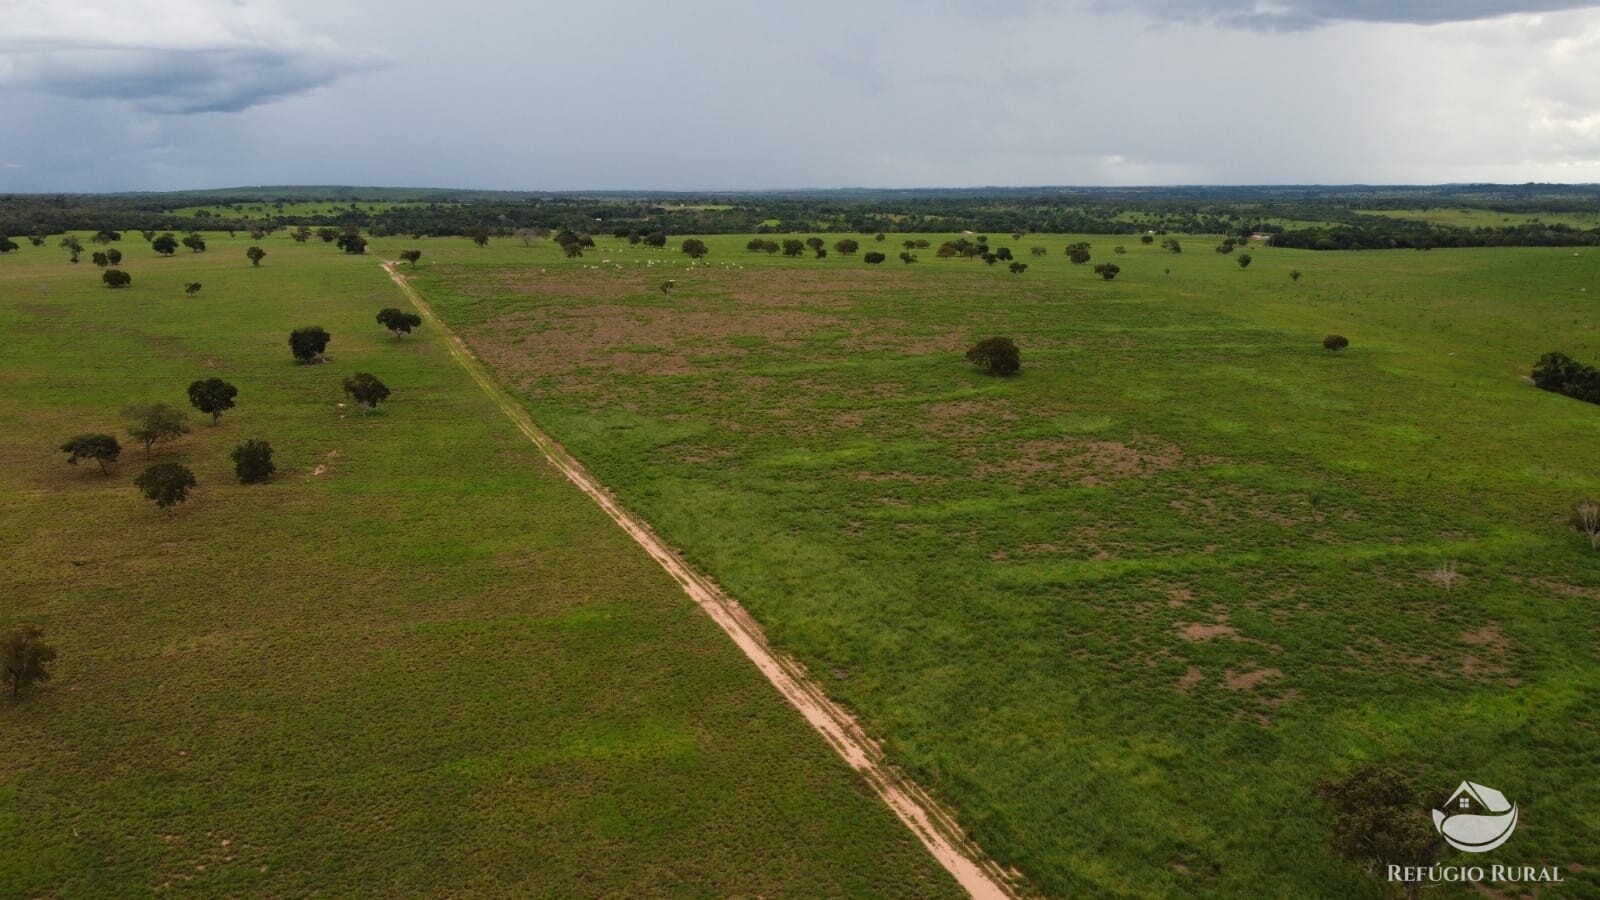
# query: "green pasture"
{"type": "Point", "coordinates": [1123, 610]}
{"type": "Point", "coordinates": [416, 663]}
{"type": "Point", "coordinates": [1486, 218]}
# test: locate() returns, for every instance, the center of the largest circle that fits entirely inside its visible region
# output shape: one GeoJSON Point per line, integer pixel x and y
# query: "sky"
{"type": "Point", "coordinates": [604, 95]}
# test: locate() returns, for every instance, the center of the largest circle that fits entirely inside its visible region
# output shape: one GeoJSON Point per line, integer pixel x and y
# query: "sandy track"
{"type": "Point", "coordinates": [932, 824]}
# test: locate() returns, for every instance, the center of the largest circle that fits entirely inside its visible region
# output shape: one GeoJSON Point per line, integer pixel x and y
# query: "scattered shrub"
{"type": "Point", "coordinates": [167, 484]}
{"type": "Point", "coordinates": [252, 461]}
{"type": "Point", "coordinates": [997, 355]}
{"type": "Point", "coordinates": [1335, 342]}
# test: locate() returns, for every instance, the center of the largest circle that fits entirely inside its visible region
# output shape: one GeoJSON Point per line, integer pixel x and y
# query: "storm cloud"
{"type": "Point", "coordinates": [610, 94]}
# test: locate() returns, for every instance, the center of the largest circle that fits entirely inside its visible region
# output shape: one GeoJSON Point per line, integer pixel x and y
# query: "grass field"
{"type": "Point", "coordinates": [1125, 609]}
{"type": "Point", "coordinates": [417, 663]}
{"type": "Point", "coordinates": [1486, 218]}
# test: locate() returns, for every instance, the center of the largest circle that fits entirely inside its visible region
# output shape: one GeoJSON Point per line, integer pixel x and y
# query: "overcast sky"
{"type": "Point", "coordinates": [171, 94]}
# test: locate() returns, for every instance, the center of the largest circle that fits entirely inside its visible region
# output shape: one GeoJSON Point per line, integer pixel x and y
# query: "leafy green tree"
{"type": "Point", "coordinates": [1243, 260]}
{"type": "Point", "coordinates": [7, 245]}
{"type": "Point", "coordinates": [1147, 239]}
{"type": "Point", "coordinates": [191, 287]}
{"type": "Point", "coordinates": [154, 423]}
{"type": "Point", "coordinates": [366, 390]}
{"type": "Point", "coordinates": [301, 234]}
{"type": "Point", "coordinates": [114, 256]}
{"type": "Point", "coordinates": [846, 247]}
{"type": "Point", "coordinates": [874, 258]}
{"type": "Point", "coordinates": [996, 355]}
{"type": "Point", "coordinates": [656, 239]}
{"type": "Point", "coordinates": [116, 278]}
{"type": "Point", "coordinates": [1335, 342]}
{"type": "Point", "coordinates": [1078, 256]}
{"type": "Point", "coordinates": [195, 242]}
{"type": "Point", "coordinates": [1119, 250]}
{"type": "Point", "coordinates": [102, 448]}
{"type": "Point", "coordinates": [72, 245]}
{"type": "Point", "coordinates": [256, 254]}
{"type": "Point", "coordinates": [166, 244]}
{"type": "Point", "coordinates": [1017, 268]}
{"type": "Point", "coordinates": [106, 236]}
{"type": "Point", "coordinates": [1107, 271]}
{"type": "Point", "coordinates": [816, 243]}
{"type": "Point", "coordinates": [1294, 274]}
{"type": "Point", "coordinates": [352, 243]}
{"type": "Point", "coordinates": [1171, 246]}
{"type": "Point", "coordinates": [907, 257]}
{"type": "Point", "coordinates": [411, 256]}
{"type": "Point", "coordinates": [307, 344]}
{"type": "Point", "coordinates": [328, 235]}
{"type": "Point", "coordinates": [793, 247]}
{"type": "Point", "coordinates": [398, 321]}
{"type": "Point", "coordinates": [1378, 821]}
{"type": "Point", "coordinates": [480, 236]}
{"type": "Point", "coordinates": [252, 461]}
{"type": "Point", "coordinates": [755, 245]}
{"type": "Point", "coordinates": [99, 259]}
{"type": "Point", "coordinates": [25, 658]}
{"type": "Point", "coordinates": [167, 484]}
{"type": "Point", "coordinates": [212, 396]}
{"type": "Point", "coordinates": [695, 247]}
{"type": "Point", "coordinates": [1225, 247]}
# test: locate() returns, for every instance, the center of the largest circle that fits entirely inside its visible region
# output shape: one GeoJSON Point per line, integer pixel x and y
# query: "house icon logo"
{"type": "Point", "coordinates": [1476, 819]}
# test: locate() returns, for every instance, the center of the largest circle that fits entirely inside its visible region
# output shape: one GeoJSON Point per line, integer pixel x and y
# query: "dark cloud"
{"type": "Point", "coordinates": [1291, 15]}
{"type": "Point", "coordinates": [181, 81]}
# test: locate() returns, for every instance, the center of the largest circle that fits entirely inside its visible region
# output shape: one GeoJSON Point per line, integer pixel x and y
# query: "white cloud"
{"type": "Point", "coordinates": [168, 56]}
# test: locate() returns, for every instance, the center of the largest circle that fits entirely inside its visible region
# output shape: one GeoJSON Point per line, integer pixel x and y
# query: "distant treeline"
{"type": "Point", "coordinates": [1304, 217]}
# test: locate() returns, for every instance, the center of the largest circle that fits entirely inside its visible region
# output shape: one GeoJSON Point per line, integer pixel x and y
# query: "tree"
{"type": "Point", "coordinates": [102, 448]}
{"type": "Point", "coordinates": [1225, 247]}
{"type": "Point", "coordinates": [252, 461]}
{"type": "Point", "coordinates": [1378, 822]}
{"type": "Point", "coordinates": [73, 246]}
{"type": "Point", "coordinates": [7, 245]}
{"type": "Point", "coordinates": [212, 396]}
{"type": "Point", "coordinates": [998, 355]}
{"type": "Point", "coordinates": [1038, 251]}
{"type": "Point", "coordinates": [255, 254]}
{"type": "Point", "coordinates": [1171, 246]}
{"type": "Point", "coordinates": [25, 658]}
{"type": "Point", "coordinates": [166, 244]}
{"type": "Point", "coordinates": [1147, 239]}
{"type": "Point", "coordinates": [1586, 518]}
{"type": "Point", "coordinates": [1335, 342]}
{"type": "Point", "coordinates": [116, 278]}
{"type": "Point", "coordinates": [1107, 271]}
{"type": "Point", "coordinates": [153, 423]}
{"type": "Point", "coordinates": [366, 390]}
{"type": "Point", "coordinates": [411, 256]}
{"type": "Point", "coordinates": [195, 242]}
{"type": "Point", "coordinates": [191, 287]}
{"type": "Point", "coordinates": [114, 256]}
{"type": "Point", "coordinates": [353, 243]}
{"type": "Point", "coordinates": [846, 247]}
{"type": "Point", "coordinates": [667, 286]}
{"type": "Point", "coordinates": [755, 245]}
{"type": "Point", "coordinates": [1078, 256]}
{"type": "Point", "coordinates": [480, 236]}
{"type": "Point", "coordinates": [1294, 274]}
{"type": "Point", "coordinates": [874, 258]}
{"type": "Point", "coordinates": [794, 247]}
{"type": "Point", "coordinates": [398, 321]}
{"type": "Point", "coordinates": [1243, 260]}
{"type": "Point", "coordinates": [307, 344]}
{"type": "Point", "coordinates": [1003, 254]}
{"type": "Point", "coordinates": [695, 247]}
{"type": "Point", "coordinates": [573, 249]}
{"type": "Point", "coordinates": [99, 259]}
{"type": "Point", "coordinates": [106, 236]}
{"type": "Point", "coordinates": [907, 257]}
{"type": "Point", "coordinates": [816, 243]}
{"type": "Point", "coordinates": [301, 234]}
{"type": "Point", "coordinates": [327, 234]}
{"type": "Point", "coordinates": [656, 239]}
{"type": "Point", "coordinates": [822, 253]}
{"type": "Point", "coordinates": [1119, 250]}
{"type": "Point", "coordinates": [1017, 268]}
{"type": "Point", "coordinates": [167, 484]}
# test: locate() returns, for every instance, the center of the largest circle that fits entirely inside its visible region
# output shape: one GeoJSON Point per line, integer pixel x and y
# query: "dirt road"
{"type": "Point", "coordinates": [933, 825]}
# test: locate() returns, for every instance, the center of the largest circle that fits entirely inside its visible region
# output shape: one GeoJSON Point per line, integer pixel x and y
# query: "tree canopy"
{"type": "Point", "coordinates": [307, 344]}
{"type": "Point", "coordinates": [212, 396]}
{"type": "Point", "coordinates": [996, 355]}
{"type": "Point", "coordinates": [398, 320]}
{"type": "Point", "coordinates": [252, 461]}
{"type": "Point", "coordinates": [25, 658]}
{"type": "Point", "coordinates": [166, 484]}
{"type": "Point", "coordinates": [102, 448]}
{"type": "Point", "coordinates": [155, 423]}
{"type": "Point", "coordinates": [366, 390]}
